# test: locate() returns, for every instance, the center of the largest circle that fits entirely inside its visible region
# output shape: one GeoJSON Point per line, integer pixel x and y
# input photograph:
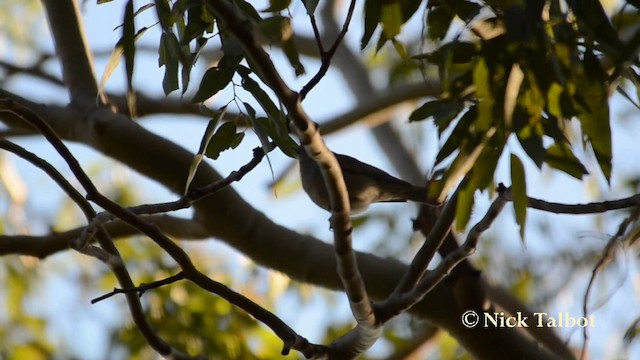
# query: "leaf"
{"type": "Point", "coordinates": [511, 92]}
{"type": "Point", "coordinates": [114, 61]}
{"type": "Point", "coordinates": [371, 20]}
{"type": "Point", "coordinates": [276, 125]}
{"type": "Point", "coordinates": [193, 169]}
{"type": "Point", "coordinates": [409, 7]}
{"type": "Point", "coordinates": [464, 208]}
{"type": "Point", "coordinates": [278, 5]}
{"type": "Point", "coordinates": [258, 127]}
{"type": "Point", "coordinates": [277, 29]}
{"type": "Point", "coordinates": [482, 82]}
{"type": "Point", "coordinates": [519, 193]}
{"type": "Point", "coordinates": [169, 57]}
{"type": "Point", "coordinates": [165, 17]}
{"type": "Point", "coordinates": [291, 52]}
{"type": "Point", "coordinates": [224, 138]}
{"type": "Point", "coordinates": [455, 52]}
{"type": "Point", "coordinates": [197, 24]}
{"type": "Point", "coordinates": [530, 136]}
{"type": "Point", "coordinates": [208, 133]}
{"type": "Point", "coordinates": [485, 165]}
{"type": "Point", "coordinates": [442, 111]}
{"type": "Point", "coordinates": [217, 78]}
{"type": "Point", "coordinates": [438, 22]}
{"type": "Point", "coordinates": [466, 10]}
{"type": "Point", "coordinates": [129, 51]}
{"type": "Point", "coordinates": [204, 144]}
{"type": "Point", "coordinates": [391, 19]}
{"type": "Point", "coordinates": [310, 5]}
{"type": "Point", "coordinates": [594, 116]}
{"type": "Point", "coordinates": [260, 95]}
{"type": "Point", "coordinates": [460, 135]}
{"type": "Point", "coordinates": [560, 156]}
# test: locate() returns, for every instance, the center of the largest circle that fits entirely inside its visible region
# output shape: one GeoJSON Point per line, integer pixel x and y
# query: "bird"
{"type": "Point", "coordinates": [366, 184]}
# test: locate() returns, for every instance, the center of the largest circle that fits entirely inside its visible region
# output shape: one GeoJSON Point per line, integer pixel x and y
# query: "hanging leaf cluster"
{"type": "Point", "coordinates": [523, 69]}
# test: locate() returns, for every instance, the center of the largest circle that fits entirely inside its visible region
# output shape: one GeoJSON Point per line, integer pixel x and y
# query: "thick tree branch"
{"type": "Point", "coordinates": [46, 245]}
{"type": "Point", "coordinates": [69, 38]}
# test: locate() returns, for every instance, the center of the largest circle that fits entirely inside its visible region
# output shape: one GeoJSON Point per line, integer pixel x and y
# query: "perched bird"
{"type": "Point", "coordinates": [366, 184]}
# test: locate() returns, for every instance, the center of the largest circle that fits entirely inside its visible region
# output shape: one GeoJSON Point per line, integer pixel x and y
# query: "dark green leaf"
{"type": "Point", "coordinates": [371, 20]}
{"type": "Point", "coordinates": [277, 29]}
{"type": "Point", "coordinates": [438, 22]}
{"type": "Point", "coordinates": [466, 10]}
{"type": "Point", "coordinates": [211, 126]}
{"type": "Point", "coordinates": [128, 42]}
{"type": "Point", "coordinates": [455, 52]}
{"type": "Point", "coordinates": [143, 8]}
{"type": "Point", "coordinates": [169, 57]}
{"type": "Point", "coordinates": [197, 24]}
{"type": "Point", "coordinates": [484, 168]}
{"type": "Point", "coordinates": [519, 193]}
{"type": "Point", "coordinates": [248, 10]}
{"type": "Point", "coordinates": [464, 208]}
{"type": "Point", "coordinates": [258, 127]}
{"type": "Point", "coordinates": [275, 126]}
{"type": "Point", "coordinates": [282, 139]}
{"type": "Point", "coordinates": [635, 3]}
{"type": "Point", "coordinates": [594, 114]}
{"type": "Point", "coordinates": [409, 7]}
{"type": "Point", "coordinates": [442, 111]}
{"type": "Point", "coordinates": [204, 144]}
{"type": "Point", "coordinates": [224, 138]}
{"type": "Point", "coordinates": [560, 156]}
{"type": "Point", "coordinates": [260, 95]}
{"type": "Point", "coordinates": [217, 78]}
{"type": "Point", "coordinates": [482, 82]}
{"type": "Point", "coordinates": [290, 50]}
{"type": "Point", "coordinates": [277, 5]}
{"type": "Point", "coordinates": [530, 136]}
{"type": "Point", "coordinates": [310, 5]}
{"type": "Point", "coordinates": [164, 14]}
{"type": "Point", "coordinates": [460, 135]}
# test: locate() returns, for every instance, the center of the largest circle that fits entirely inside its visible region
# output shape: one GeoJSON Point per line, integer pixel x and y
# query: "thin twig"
{"type": "Point", "coordinates": [142, 288]}
{"type": "Point", "coordinates": [580, 209]}
{"type": "Point", "coordinates": [113, 259]}
{"type": "Point", "coordinates": [59, 179]}
{"type": "Point", "coordinates": [607, 256]}
{"type": "Point", "coordinates": [325, 57]}
{"type": "Point", "coordinates": [183, 202]}
{"type": "Point", "coordinates": [288, 336]}
{"type": "Point", "coordinates": [404, 301]}
{"type": "Point", "coordinates": [316, 32]}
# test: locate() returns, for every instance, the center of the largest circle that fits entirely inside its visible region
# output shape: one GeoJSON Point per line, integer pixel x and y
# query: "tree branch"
{"type": "Point", "coordinates": [70, 41]}
{"type": "Point", "coordinates": [363, 336]}
{"type": "Point", "coordinates": [580, 209]}
{"type": "Point", "coordinates": [46, 245]}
